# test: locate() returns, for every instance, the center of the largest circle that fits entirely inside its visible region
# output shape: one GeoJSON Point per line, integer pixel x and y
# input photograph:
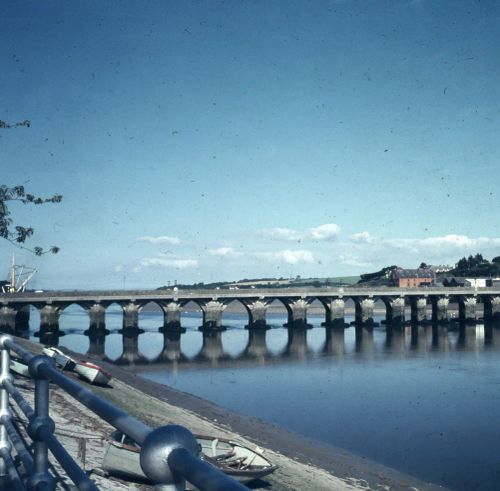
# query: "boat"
{"type": "Point", "coordinates": [19, 278]}
{"type": "Point", "coordinates": [19, 366]}
{"type": "Point", "coordinates": [122, 458]}
{"type": "Point", "coordinates": [61, 359]}
{"type": "Point", "coordinates": [88, 371]}
{"type": "Point", "coordinates": [92, 373]}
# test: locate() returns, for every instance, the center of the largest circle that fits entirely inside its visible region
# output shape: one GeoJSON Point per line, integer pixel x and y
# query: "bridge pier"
{"type": "Point", "coordinates": [364, 308]}
{"type": "Point", "coordinates": [172, 317]}
{"type": "Point", "coordinates": [335, 313]}
{"type": "Point", "coordinates": [257, 315]}
{"type": "Point", "coordinates": [467, 309]}
{"type": "Point", "coordinates": [492, 310]}
{"type": "Point", "coordinates": [297, 313]}
{"type": "Point", "coordinates": [395, 312]}
{"type": "Point", "coordinates": [212, 316]}
{"type": "Point", "coordinates": [130, 316]}
{"type": "Point", "coordinates": [440, 309]}
{"type": "Point", "coordinates": [49, 318]}
{"type": "Point", "coordinates": [8, 319]}
{"type": "Point", "coordinates": [97, 317]}
{"type": "Point", "coordinates": [418, 310]}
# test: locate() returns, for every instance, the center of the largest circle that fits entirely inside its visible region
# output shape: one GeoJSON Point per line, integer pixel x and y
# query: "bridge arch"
{"type": "Point", "coordinates": [191, 316]}
{"type": "Point", "coordinates": [236, 313]}
{"type": "Point", "coordinates": [277, 312]}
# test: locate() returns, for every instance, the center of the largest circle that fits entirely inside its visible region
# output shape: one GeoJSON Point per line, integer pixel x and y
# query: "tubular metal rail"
{"type": "Point", "coordinates": [169, 454]}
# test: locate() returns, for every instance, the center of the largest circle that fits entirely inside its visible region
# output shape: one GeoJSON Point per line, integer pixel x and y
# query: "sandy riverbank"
{"type": "Point", "coordinates": [303, 463]}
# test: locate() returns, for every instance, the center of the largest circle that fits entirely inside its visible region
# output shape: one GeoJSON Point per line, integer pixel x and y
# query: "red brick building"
{"type": "Point", "coordinates": [412, 278]}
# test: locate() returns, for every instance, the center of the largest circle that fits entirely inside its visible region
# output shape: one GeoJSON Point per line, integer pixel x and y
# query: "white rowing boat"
{"type": "Point", "coordinates": [234, 459]}
{"type": "Point", "coordinates": [20, 367]}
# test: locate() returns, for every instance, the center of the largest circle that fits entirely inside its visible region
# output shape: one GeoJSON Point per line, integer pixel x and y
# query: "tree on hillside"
{"type": "Point", "coordinates": [18, 234]}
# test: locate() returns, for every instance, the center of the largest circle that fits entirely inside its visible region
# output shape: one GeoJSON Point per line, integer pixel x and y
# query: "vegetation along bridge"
{"type": "Point", "coordinates": [14, 307]}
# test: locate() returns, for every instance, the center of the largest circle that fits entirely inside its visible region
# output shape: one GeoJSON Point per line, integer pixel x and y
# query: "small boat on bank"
{"type": "Point", "coordinates": [92, 373]}
{"type": "Point", "coordinates": [61, 359]}
{"type": "Point", "coordinates": [88, 371]}
{"type": "Point", "coordinates": [20, 367]}
{"type": "Point", "coordinates": [232, 458]}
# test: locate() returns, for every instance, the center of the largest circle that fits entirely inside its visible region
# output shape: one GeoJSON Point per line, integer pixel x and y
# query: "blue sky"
{"type": "Point", "coordinates": [204, 141]}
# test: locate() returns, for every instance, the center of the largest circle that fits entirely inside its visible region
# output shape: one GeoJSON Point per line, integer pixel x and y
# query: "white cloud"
{"type": "Point", "coordinates": [328, 231]}
{"type": "Point", "coordinates": [447, 243]}
{"type": "Point", "coordinates": [225, 252]}
{"type": "Point", "coordinates": [162, 239]}
{"type": "Point", "coordinates": [164, 262]}
{"type": "Point", "coordinates": [362, 238]}
{"type": "Point", "coordinates": [446, 249]}
{"type": "Point", "coordinates": [288, 256]}
{"type": "Point", "coordinates": [280, 233]}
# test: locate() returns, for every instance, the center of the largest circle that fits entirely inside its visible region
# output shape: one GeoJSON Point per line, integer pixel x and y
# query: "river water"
{"type": "Point", "coordinates": [425, 402]}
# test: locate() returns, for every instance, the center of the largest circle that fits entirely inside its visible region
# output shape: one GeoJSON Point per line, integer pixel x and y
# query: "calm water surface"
{"type": "Point", "coordinates": [426, 404]}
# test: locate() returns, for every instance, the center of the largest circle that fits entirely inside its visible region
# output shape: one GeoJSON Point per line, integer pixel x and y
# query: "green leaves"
{"type": "Point", "coordinates": [18, 234]}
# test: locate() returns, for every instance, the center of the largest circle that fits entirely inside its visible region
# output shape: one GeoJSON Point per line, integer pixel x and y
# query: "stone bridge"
{"type": "Point", "coordinates": [14, 307]}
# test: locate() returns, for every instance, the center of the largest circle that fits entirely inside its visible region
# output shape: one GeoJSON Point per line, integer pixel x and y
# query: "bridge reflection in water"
{"type": "Point", "coordinates": [370, 343]}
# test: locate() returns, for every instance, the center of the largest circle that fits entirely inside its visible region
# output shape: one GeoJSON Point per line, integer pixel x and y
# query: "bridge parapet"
{"type": "Point", "coordinates": [296, 302]}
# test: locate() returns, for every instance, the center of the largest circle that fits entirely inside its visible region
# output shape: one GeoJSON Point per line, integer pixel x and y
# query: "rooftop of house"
{"type": "Point", "coordinates": [413, 273]}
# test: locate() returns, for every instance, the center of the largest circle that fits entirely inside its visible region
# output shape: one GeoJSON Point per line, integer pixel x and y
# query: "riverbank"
{"type": "Point", "coordinates": [303, 463]}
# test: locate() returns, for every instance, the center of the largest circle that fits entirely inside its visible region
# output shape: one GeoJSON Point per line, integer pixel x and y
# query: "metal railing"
{"type": "Point", "coordinates": [169, 454]}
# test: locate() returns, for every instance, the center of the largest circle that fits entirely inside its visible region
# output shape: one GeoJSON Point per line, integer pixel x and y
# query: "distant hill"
{"type": "Point", "coordinates": [272, 283]}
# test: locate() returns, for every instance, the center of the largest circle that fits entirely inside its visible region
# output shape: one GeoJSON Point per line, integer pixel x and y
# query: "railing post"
{"type": "Point", "coordinates": [4, 400]}
{"type": "Point", "coordinates": [155, 451]}
{"type": "Point", "coordinates": [41, 478]}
